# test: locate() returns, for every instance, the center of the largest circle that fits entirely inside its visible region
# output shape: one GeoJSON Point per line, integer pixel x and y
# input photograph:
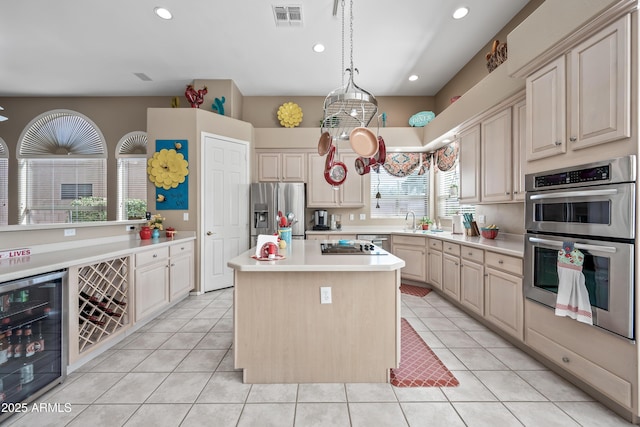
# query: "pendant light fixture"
{"type": "Point", "coordinates": [349, 106]}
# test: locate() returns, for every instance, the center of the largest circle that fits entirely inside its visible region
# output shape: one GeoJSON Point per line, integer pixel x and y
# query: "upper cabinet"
{"type": "Point", "coordinates": [496, 141]}
{"type": "Point", "coordinates": [581, 99]}
{"type": "Point", "coordinates": [469, 158]}
{"type": "Point", "coordinates": [322, 195]}
{"type": "Point", "coordinates": [274, 165]}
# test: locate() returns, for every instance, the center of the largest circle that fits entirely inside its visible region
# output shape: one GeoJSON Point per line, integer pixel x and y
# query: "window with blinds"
{"type": "Point", "coordinates": [447, 193]}
{"type": "Point", "coordinates": [399, 195]}
{"type": "Point", "coordinates": [46, 187]}
{"type": "Point", "coordinates": [132, 188]}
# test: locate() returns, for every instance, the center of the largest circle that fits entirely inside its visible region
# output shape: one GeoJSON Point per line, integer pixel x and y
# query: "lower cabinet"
{"type": "Point", "coordinates": [504, 301]}
{"type": "Point", "coordinates": [472, 279]}
{"type": "Point", "coordinates": [451, 270]}
{"type": "Point", "coordinates": [413, 250]}
{"type": "Point", "coordinates": [180, 270]}
{"type": "Point", "coordinates": [434, 263]}
{"type": "Point", "coordinates": [151, 281]}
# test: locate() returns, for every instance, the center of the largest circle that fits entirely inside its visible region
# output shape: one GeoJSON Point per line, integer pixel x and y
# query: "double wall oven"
{"type": "Point", "coordinates": [592, 206]}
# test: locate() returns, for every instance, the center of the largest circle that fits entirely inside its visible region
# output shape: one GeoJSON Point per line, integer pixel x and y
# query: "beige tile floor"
{"type": "Point", "coordinates": [178, 371]}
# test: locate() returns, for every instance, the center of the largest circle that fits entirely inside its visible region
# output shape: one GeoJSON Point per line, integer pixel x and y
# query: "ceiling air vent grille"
{"type": "Point", "coordinates": [288, 16]}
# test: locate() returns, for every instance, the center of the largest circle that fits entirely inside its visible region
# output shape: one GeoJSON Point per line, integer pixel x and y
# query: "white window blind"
{"type": "Point", "coordinates": [132, 188]}
{"type": "Point", "coordinates": [399, 195]}
{"type": "Point", "coordinates": [40, 190]}
{"type": "Point", "coordinates": [447, 193]}
{"type": "Point", "coordinates": [4, 191]}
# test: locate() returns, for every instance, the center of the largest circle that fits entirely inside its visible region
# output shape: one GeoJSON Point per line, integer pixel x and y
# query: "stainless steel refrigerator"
{"type": "Point", "coordinates": [268, 198]}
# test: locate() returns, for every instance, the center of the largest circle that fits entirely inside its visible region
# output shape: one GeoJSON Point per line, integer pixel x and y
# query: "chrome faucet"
{"type": "Point", "coordinates": [413, 214]}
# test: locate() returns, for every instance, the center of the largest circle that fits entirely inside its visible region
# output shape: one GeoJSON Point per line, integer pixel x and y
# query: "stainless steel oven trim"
{"type": "Point", "coordinates": [621, 290]}
{"type": "Point", "coordinates": [621, 196]}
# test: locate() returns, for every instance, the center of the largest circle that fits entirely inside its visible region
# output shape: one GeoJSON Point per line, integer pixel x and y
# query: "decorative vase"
{"type": "Point", "coordinates": [145, 233]}
{"type": "Point", "coordinates": [155, 233]}
{"type": "Point", "coordinates": [425, 226]}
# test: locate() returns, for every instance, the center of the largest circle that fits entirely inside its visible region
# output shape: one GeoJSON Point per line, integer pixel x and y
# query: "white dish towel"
{"type": "Point", "coordinates": [573, 296]}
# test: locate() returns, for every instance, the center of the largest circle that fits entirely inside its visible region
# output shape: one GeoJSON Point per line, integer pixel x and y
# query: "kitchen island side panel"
{"type": "Point", "coordinates": [283, 334]}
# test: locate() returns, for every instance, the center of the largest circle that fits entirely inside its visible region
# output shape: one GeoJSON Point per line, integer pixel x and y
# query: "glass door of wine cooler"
{"type": "Point", "coordinates": [32, 348]}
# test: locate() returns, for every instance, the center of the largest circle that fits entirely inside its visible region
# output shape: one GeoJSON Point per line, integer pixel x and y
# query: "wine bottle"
{"type": "Point", "coordinates": [40, 341]}
{"type": "Point", "coordinates": [29, 343]}
{"type": "Point", "coordinates": [108, 299]}
{"type": "Point", "coordinates": [89, 315]}
{"type": "Point", "coordinates": [99, 304]}
{"type": "Point", "coordinates": [18, 348]}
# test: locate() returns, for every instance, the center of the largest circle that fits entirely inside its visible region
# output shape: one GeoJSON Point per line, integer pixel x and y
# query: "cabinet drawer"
{"type": "Point", "coordinates": [181, 248]}
{"type": "Point", "coordinates": [473, 254]}
{"type": "Point", "coordinates": [154, 255]}
{"type": "Point", "coordinates": [451, 248]}
{"type": "Point", "coordinates": [435, 244]}
{"type": "Point", "coordinates": [409, 240]}
{"type": "Point", "coordinates": [504, 262]}
{"type": "Point", "coordinates": [612, 385]}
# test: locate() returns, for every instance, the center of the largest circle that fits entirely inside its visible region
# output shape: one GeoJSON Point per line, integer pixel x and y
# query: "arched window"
{"type": "Point", "coordinates": [131, 153]}
{"type": "Point", "coordinates": [4, 183]}
{"type": "Point", "coordinates": [62, 160]}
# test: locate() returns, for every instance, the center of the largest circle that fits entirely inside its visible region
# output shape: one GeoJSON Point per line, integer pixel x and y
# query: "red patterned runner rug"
{"type": "Point", "coordinates": [419, 365]}
{"type": "Point", "coordinates": [417, 291]}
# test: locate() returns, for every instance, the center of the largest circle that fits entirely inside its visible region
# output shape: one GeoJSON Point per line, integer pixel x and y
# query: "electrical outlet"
{"type": "Point", "coordinates": [363, 217]}
{"type": "Point", "coordinates": [352, 217]}
{"type": "Point", "coordinates": [325, 294]}
{"type": "Point", "coordinates": [69, 232]}
{"type": "Point", "coordinates": [130, 227]}
{"type": "Point", "coordinates": [185, 216]}
{"type": "Point", "coordinates": [482, 219]}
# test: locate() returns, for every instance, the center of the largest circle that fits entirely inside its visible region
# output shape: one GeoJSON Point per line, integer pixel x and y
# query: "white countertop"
{"type": "Point", "coordinates": [508, 244]}
{"type": "Point", "coordinates": [305, 255]}
{"type": "Point", "coordinates": [82, 254]}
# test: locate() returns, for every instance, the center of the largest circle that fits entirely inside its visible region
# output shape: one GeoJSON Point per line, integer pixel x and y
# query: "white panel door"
{"type": "Point", "coordinates": [225, 209]}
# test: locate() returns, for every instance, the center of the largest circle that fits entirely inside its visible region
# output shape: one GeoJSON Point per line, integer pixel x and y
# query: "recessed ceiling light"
{"type": "Point", "coordinates": [318, 47]}
{"type": "Point", "coordinates": [460, 12]}
{"type": "Point", "coordinates": [163, 13]}
{"type": "Point", "coordinates": [413, 78]}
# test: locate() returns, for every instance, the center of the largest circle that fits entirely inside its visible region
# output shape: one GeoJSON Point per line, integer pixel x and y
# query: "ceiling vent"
{"type": "Point", "coordinates": [288, 16]}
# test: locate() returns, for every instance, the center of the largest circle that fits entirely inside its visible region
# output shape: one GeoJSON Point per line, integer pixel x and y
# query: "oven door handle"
{"type": "Point", "coordinates": [558, 244]}
{"type": "Point", "coordinates": [582, 193]}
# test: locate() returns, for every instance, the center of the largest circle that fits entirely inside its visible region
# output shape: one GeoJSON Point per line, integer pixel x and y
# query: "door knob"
{"type": "Point", "coordinates": [209, 233]}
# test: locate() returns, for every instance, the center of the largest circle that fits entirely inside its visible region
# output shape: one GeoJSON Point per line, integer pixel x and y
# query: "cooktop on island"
{"type": "Point", "coordinates": [349, 247]}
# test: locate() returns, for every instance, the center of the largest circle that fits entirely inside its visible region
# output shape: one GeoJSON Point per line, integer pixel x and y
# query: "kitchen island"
{"type": "Point", "coordinates": [283, 333]}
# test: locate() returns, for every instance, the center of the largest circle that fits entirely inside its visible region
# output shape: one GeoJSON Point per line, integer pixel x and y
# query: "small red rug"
{"type": "Point", "coordinates": [417, 291]}
{"type": "Point", "coordinates": [419, 365]}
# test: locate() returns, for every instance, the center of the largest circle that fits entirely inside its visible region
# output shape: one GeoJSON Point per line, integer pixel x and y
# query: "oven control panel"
{"type": "Point", "coordinates": [598, 173]}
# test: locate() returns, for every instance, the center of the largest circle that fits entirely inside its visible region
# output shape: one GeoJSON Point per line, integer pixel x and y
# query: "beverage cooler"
{"type": "Point", "coordinates": [32, 347]}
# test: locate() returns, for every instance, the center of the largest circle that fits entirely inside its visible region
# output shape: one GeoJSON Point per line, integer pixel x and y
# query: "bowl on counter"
{"type": "Point", "coordinates": [489, 233]}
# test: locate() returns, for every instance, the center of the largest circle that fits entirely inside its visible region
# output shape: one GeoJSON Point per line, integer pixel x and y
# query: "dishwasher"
{"type": "Point", "coordinates": [380, 240]}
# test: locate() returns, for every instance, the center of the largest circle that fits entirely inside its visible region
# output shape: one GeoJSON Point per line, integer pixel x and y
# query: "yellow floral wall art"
{"type": "Point", "coordinates": [290, 114]}
{"type": "Point", "coordinates": [167, 168]}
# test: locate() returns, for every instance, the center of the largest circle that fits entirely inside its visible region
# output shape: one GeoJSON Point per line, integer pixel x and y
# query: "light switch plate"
{"type": "Point", "coordinates": [363, 217]}
{"type": "Point", "coordinates": [352, 217]}
{"type": "Point", "coordinates": [185, 216]}
{"type": "Point", "coordinates": [325, 295]}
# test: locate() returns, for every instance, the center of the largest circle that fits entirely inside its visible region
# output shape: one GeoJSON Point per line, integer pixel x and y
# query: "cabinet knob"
{"type": "Point", "coordinates": [486, 274]}
{"type": "Point", "coordinates": [565, 359]}
{"type": "Point", "coordinates": [455, 263]}
{"type": "Point", "coordinates": [155, 255]}
{"type": "Point", "coordinates": [470, 253]}
{"type": "Point", "coordinates": [573, 139]}
{"type": "Point", "coordinates": [507, 193]}
{"type": "Point", "coordinates": [515, 192]}
{"type": "Point", "coordinates": [500, 261]}
{"type": "Point", "coordinates": [558, 143]}
{"type": "Point", "coordinates": [172, 265]}
{"type": "Point", "coordinates": [209, 233]}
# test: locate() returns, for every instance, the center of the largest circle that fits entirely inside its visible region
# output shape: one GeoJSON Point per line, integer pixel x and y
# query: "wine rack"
{"type": "Point", "coordinates": [103, 301]}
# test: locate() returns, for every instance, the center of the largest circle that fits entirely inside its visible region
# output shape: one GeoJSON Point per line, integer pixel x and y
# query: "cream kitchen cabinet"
{"type": "Point", "coordinates": [322, 195]}
{"type": "Point", "coordinates": [472, 279]}
{"type": "Point", "coordinates": [451, 270]}
{"type": "Point", "coordinates": [469, 158]}
{"type": "Point", "coordinates": [274, 165]}
{"type": "Point", "coordinates": [413, 250]}
{"type": "Point", "coordinates": [180, 270]}
{"type": "Point", "coordinates": [151, 281]}
{"type": "Point", "coordinates": [518, 149]}
{"type": "Point", "coordinates": [581, 99]}
{"type": "Point", "coordinates": [336, 236]}
{"type": "Point", "coordinates": [496, 157]}
{"type": "Point", "coordinates": [504, 301]}
{"type": "Point", "coordinates": [434, 263]}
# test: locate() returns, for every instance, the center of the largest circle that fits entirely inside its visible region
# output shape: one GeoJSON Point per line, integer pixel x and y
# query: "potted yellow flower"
{"type": "Point", "coordinates": [155, 224]}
